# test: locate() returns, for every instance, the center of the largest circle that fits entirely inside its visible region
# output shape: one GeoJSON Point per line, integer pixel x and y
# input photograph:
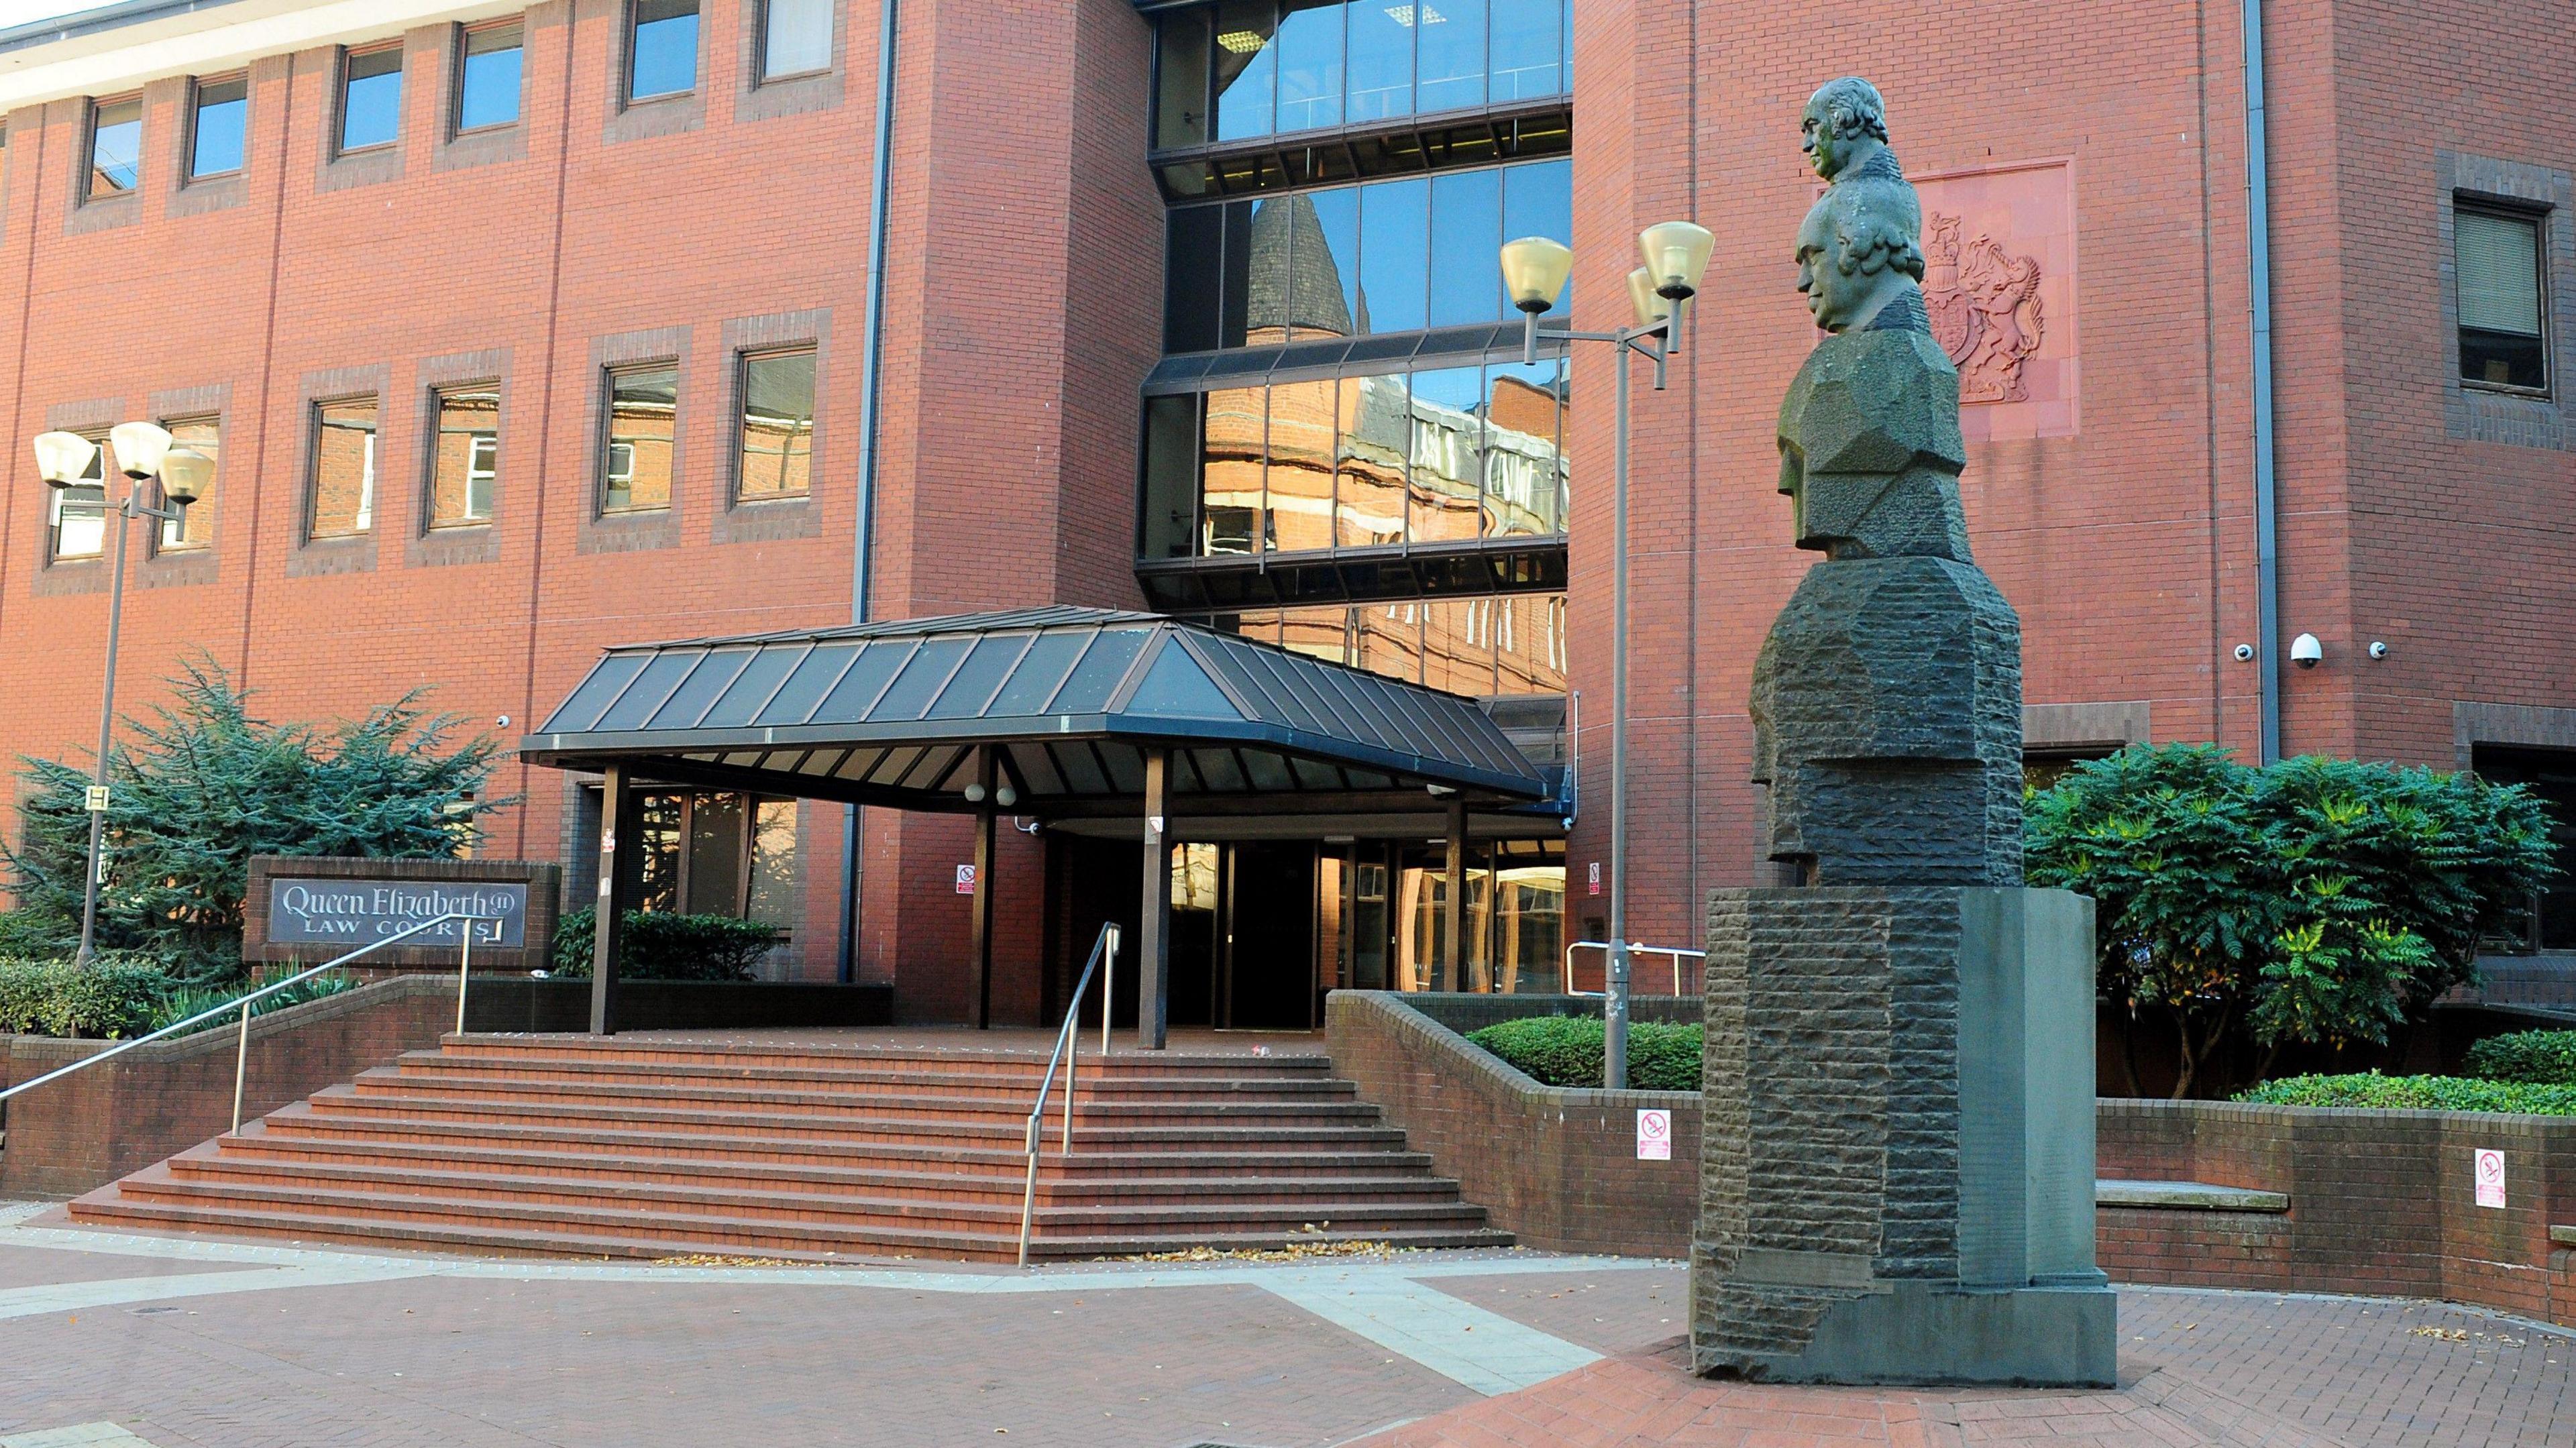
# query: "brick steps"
{"type": "Point", "coordinates": [648, 1148]}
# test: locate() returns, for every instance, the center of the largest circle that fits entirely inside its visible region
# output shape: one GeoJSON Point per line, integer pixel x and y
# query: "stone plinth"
{"type": "Point", "coordinates": [1897, 1180]}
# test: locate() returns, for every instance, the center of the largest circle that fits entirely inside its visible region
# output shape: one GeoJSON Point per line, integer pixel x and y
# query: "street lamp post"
{"type": "Point", "coordinates": [179, 476]}
{"type": "Point", "coordinates": [1535, 269]}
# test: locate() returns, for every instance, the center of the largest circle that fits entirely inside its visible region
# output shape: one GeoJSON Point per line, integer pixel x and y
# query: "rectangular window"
{"type": "Point", "coordinates": [777, 456]}
{"type": "Point", "coordinates": [487, 77]}
{"type": "Point", "coordinates": [343, 500]}
{"type": "Point", "coordinates": [1181, 79]}
{"type": "Point", "coordinates": [795, 38]}
{"type": "Point", "coordinates": [77, 515]}
{"type": "Point", "coordinates": [195, 525]}
{"type": "Point", "coordinates": [2502, 339]}
{"type": "Point", "coordinates": [1247, 69]}
{"type": "Point", "coordinates": [635, 465]}
{"type": "Point", "coordinates": [371, 98]}
{"type": "Point", "coordinates": [661, 49]}
{"type": "Point", "coordinates": [465, 458]}
{"type": "Point", "coordinates": [215, 129]}
{"type": "Point", "coordinates": [115, 146]}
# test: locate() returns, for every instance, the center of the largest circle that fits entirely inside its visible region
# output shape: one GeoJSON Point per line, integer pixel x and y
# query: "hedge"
{"type": "Point", "coordinates": [1566, 1051]}
{"type": "Point", "coordinates": [110, 1000]}
{"type": "Point", "coordinates": [2539, 1058]}
{"type": "Point", "coordinates": [660, 946]}
{"type": "Point", "coordinates": [2416, 1093]}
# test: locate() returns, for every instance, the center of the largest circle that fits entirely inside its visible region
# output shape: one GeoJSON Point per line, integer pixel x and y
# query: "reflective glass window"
{"type": "Point", "coordinates": [371, 98]}
{"type": "Point", "coordinates": [1450, 55]}
{"type": "Point", "coordinates": [1395, 219]}
{"type": "Point", "coordinates": [1375, 418]}
{"type": "Point", "coordinates": [772, 898]}
{"type": "Point", "coordinates": [795, 37]}
{"type": "Point", "coordinates": [662, 49]}
{"type": "Point", "coordinates": [487, 79]}
{"type": "Point", "coordinates": [1231, 456]}
{"type": "Point", "coordinates": [215, 128]}
{"type": "Point", "coordinates": [2502, 342]}
{"type": "Point", "coordinates": [1193, 277]}
{"type": "Point", "coordinates": [341, 501]}
{"type": "Point", "coordinates": [635, 464]}
{"type": "Point", "coordinates": [1538, 200]}
{"type": "Point", "coordinates": [77, 515]}
{"type": "Point", "coordinates": [1458, 645]}
{"type": "Point", "coordinates": [1304, 429]}
{"type": "Point", "coordinates": [1466, 247]}
{"type": "Point", "coordinates": [1446, 456]}
{"type": "Point", "coordinates": [1181, 79]}
{"type": "Point", "coordinates": [777, 426]}
{"type": "Point", "coordinates": [1337, 229]}
{"type": "Point", "coordinates": [1388, 638]}
{"type": "Point", "coordinates": [1528, 57]}
{"type": "Point", "coordinates": [1247, 69]}
{"type": "Point", "coordinates": [1269, 266]}
{"type": "Point", "coordinates": [1310, 64]}
{"type": "Point", "coordinates": [115, 146]}
{"type": "Point", "coordinates": [1381, 61]}
{"type": "Point", "coordinates": [1524, 462]}
{"type": "Point", "coordinates": [195, 525]}
{"type": "Point", "coordinates": [465, 456]}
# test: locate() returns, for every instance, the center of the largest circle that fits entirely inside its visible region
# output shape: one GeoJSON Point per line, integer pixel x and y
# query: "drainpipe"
{"type": "Point", "coordinates": [2258, 246]}
{"type": "Point", "coordinates": [871, 363]}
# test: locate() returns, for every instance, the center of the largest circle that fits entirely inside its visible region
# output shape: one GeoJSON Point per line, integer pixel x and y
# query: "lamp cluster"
{"type": "Point", "coordinates": [1535, 269]}
{"type": "Point", "coordinates": [143, 452]}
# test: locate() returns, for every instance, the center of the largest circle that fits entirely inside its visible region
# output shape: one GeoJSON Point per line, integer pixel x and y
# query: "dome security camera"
{"type": "Point", "coordinates": [2244, 653]}
{"type": "Point", "coordinates": [2306, 651]}
{"type": "Point", "coordinates": [2378, 650]}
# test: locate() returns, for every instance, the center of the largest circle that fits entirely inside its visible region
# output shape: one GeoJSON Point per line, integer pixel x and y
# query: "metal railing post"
{"type": "Point", "coordinates": [1029, 1193]}
{"type": "Point", "coordinates": [241, 1064]}
{"type": "Point", "coordinates": [1109, 985]}
{"type": "Point", "coordinates": [1068, 1050]}
{"type": "Point", "coordinates": [464, 964]}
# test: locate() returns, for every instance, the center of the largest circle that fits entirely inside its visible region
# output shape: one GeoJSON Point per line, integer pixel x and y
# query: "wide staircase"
{"type": "Point", "coordinates": [626, 1147]}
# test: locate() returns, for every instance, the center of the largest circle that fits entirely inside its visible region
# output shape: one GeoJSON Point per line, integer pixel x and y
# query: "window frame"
{"type": "Point", "coordinates": [461, 48]}
{"type": "Point", "coordinates": [89, 148]}
{"type": "Point", "coordinates": [608, 443]}
{"type": "Point", "coordinates": [762, 75]}
{"type": "Point", "coordinates": [366, 512]}
{"type": "Point", "coordinates": [161, 544]}
{"type": "Point", "coordinates": [349, 57]}
{"type": "Point", "coordinates": [55, 498]}
{"type": "Point", "coordinates": [189, 175]}
{"type": "Point", "coordinates": [436, 429]}
{"type": "Point", "coordinates": [2538, 217]}
{"type": "Point", "coordinates": [743, 358]}
{"type": "Point", "coordinates": [627, 98]}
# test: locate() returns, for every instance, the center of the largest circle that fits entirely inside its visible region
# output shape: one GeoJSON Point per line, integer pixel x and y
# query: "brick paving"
{"type": "Point", "coordinates": [463, 1354]}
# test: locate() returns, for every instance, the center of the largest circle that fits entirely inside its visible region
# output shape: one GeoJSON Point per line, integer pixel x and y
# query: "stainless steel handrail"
{"type": "Point", "coordinates": [1068, 1050]}
{"type": "Point", "coordinates": [1634, 948]}
{"type": "Point", "coordinates": [241, 1058]}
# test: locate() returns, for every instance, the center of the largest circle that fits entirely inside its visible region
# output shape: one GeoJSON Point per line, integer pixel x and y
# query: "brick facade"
{"type": "Point", "coordinates": [2111, 502]}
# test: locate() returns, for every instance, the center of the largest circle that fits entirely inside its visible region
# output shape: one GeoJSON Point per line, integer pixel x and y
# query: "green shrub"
{"type": "Point", "coordinates": [1566, 1051]}
{"type": "Point", "coordinates": [112, 999]}
{"type": "Point", "coordinates": [32, 935]}
{"type": "Point", "coordinates": [2537, 1058]}
{"type": "Point", "coordinates": [186, 1001]}
{"type": "Point", "coordinates": [2415, 1093]}
{"type": "Point", "coordinates": [660, 946]}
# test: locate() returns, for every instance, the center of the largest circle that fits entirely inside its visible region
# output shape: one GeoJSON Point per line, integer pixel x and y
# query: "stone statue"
{"type": "Point", "coordinates": [1897, 1090]}
{"type": "Point", "coordinates": [1887, 699]}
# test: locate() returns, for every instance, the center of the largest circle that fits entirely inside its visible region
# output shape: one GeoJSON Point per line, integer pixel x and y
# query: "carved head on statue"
{"type": "Point", "coordinates": [1843, 127]}
{"type": "Point", "coordinates": [1857, 253]}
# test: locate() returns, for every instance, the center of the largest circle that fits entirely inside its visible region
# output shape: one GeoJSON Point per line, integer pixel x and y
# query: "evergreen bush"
{"type": "Point", "coordinates": [2415, 1093]}
{"type": "Point", "coordinates": [2538, 1058]}
{"type": "Point", "coordinates": [111, 1000]}
{"type": "Point", "coordinates": [1567, 1051]}
{"type": "Point", "coordinates": [663, 946]}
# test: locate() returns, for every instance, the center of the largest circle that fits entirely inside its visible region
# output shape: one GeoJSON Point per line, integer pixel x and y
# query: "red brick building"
{"type": "Point", "coordinates": [521, 332]}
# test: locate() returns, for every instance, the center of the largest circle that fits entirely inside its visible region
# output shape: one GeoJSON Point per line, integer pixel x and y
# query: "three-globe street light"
{"type": "Point", "coordinates": [178, 477]}
{"type": "Point", "coordinates": [1535, 269]}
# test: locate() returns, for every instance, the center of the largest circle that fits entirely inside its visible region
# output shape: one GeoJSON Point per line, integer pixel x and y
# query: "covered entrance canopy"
{"type": "Point", "coordinates": [1063, 713]}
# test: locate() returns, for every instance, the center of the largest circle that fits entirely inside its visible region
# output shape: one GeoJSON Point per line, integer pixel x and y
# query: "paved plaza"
{"type": "Point", "coordinates": [192, 1343]}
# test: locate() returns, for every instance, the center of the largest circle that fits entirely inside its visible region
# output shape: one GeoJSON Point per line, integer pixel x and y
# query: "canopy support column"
{"type": "Point", "coordinates": [980, 1003]}
{"type": "Point", "coordinates": [621, 877]}
{"type": "Point", "coordinates": [1450, 976]}
{"type": "Point", "coordinates": [1154, 945]}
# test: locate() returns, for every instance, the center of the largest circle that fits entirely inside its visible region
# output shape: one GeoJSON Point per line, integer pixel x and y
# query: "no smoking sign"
{"type": "Point", "coordinates": [1654, 1135]}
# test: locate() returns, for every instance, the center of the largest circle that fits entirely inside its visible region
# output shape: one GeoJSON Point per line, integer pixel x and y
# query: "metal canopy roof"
{"type": "Point", "coordinates": [1070, 698]}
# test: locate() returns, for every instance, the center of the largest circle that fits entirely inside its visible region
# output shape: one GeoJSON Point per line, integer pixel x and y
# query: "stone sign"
{"type": "Point", "coordinates": [310, 908]}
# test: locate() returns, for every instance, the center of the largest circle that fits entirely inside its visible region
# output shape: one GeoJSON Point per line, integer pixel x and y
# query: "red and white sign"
{"type": "Point", "coordinates": [2490, 1174]}
{"type": "Point", "coordinates": [1592, 878]}
{"type": "Point", "coordinates": [1654, 1135]}
{"type": "Point", "coordinates": [965, 879]}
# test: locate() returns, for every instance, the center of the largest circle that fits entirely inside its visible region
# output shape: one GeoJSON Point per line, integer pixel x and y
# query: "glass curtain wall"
{"type": "Point", "coordinates": [1496, 646]}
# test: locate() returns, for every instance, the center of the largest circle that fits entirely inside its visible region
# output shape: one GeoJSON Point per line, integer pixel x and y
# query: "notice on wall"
{"type": "Point", "coordinates": [2489, 1167]}
{"type": "Point", "coordinates": [1592, 878]}
{"type": "Point", "coordinates": [965, 879]}
{"type": "Point", "coordinates": [1654, 1135]}
{"type": "Point", "coordinates": [355, 911]}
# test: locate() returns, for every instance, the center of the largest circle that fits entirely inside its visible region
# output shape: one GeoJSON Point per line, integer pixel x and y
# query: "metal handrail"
{"type": "Point", "coordinates": [1634, 948]}
{"type": "Point", "coordinates": [1068, 1049]}
{"type": "Point", "coordinates": [241, 1059]}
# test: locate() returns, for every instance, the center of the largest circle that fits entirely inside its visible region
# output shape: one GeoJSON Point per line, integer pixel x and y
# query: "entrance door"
{"type": "Point", "coordinates": [1270, 938]}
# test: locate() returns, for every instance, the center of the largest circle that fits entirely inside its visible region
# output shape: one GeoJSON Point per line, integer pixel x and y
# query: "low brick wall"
{"type": "Point", "coordinates": [100, 1124]}
{"type": "Point", "coordinates": [2380, 1202]}
{"type": "Point", "coordinates": [1557, 1167]}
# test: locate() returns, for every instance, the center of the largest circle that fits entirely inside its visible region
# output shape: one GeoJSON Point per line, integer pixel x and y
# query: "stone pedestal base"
{"type": "Point", "coordinates": [1897, 1180]}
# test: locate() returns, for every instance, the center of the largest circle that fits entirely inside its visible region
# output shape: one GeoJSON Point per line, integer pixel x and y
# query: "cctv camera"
{"type": "Point", "coordinates": [2306, 651]}
{"type": "Point", "coordinates": [2378, 650]}
{"type": "Point", "coordinates": [2244, 653]}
